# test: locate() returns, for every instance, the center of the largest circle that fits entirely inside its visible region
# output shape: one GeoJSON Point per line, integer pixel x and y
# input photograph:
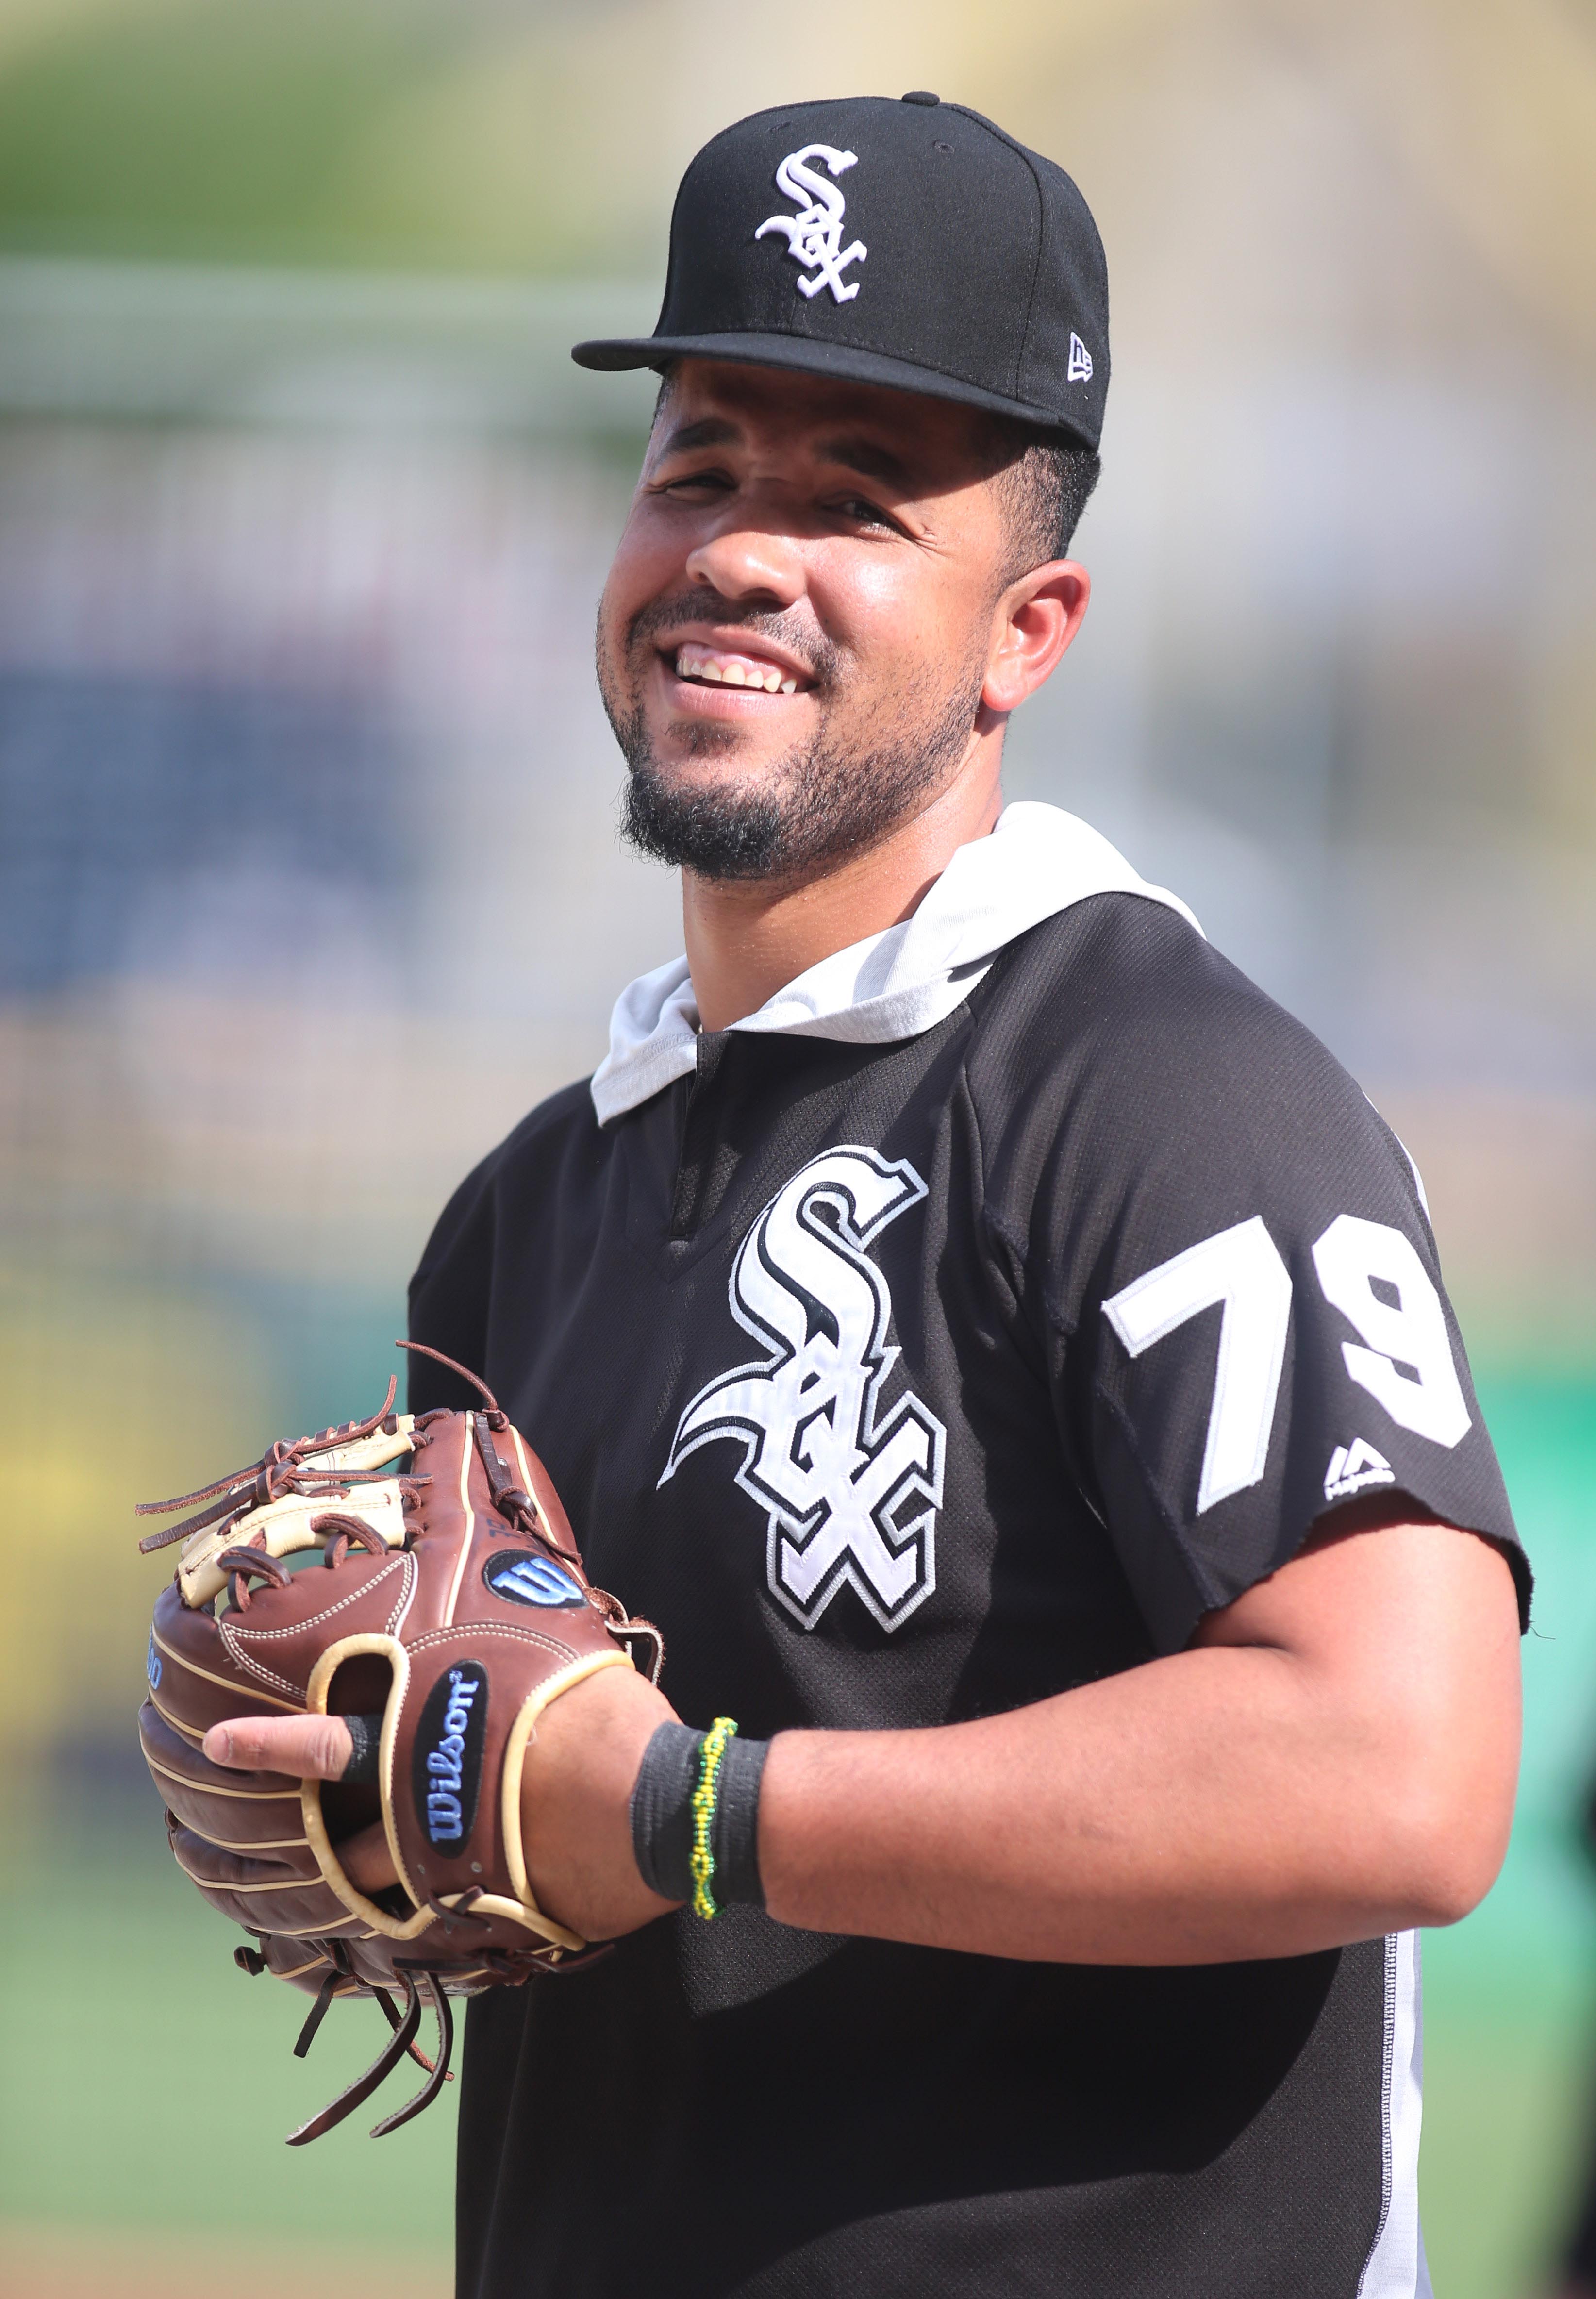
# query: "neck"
{"type": "Point", "coordinates": [746, 939]}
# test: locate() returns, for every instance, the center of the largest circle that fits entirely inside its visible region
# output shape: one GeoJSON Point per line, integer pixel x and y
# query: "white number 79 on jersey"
{"type": "Point", "coordinates": [1369, 1271]}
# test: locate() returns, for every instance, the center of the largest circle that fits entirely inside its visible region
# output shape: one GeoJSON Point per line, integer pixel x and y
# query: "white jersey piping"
{"type": "Point", "coordinates": [1396, 2267]}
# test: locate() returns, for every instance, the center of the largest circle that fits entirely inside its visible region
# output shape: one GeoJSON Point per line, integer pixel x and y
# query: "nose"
{"type": "Point", "coordinates": [749, 563]}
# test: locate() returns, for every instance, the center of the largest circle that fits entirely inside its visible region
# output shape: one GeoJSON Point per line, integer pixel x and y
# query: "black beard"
{"type": "Point", "coordinates": [820, 803]}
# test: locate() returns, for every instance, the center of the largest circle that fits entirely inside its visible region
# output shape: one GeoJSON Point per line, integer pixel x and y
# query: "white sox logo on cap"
{"type": "Point", "coordinates": [815, 234]}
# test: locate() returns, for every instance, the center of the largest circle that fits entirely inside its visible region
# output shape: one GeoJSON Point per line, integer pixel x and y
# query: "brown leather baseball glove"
{"type": "Point", "coordinates": [420, 1569]}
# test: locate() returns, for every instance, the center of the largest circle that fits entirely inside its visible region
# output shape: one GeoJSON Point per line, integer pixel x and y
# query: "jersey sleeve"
{"type": "Point", "coordinates": [457, 1286]}
{"type": "Point", "coordinates": [1245, 1322]}
{"type": "Point", "coordinates": [449, 1295]}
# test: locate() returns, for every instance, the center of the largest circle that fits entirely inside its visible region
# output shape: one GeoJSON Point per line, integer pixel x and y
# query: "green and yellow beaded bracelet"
{"type": "Point", "coordinates": [702, 1861]}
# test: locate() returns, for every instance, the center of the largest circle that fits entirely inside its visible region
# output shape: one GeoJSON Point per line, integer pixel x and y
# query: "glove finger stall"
{"type": "Point", "coordinates": [284, 1894]}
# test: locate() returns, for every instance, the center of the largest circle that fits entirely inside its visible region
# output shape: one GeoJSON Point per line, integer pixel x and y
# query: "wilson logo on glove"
{"type": "Point", "coordinates": [524, 1579]}
{"type": "Point", "coordinates": [448, 1758]}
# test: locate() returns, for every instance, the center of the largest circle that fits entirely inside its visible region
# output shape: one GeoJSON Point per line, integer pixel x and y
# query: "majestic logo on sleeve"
{"type": "Point", "coordinates": [850, 1491]}
{"type": "Point", "coordinates": [815, 234]}
{"type": "Point", "coordinates": [1354, 1468]}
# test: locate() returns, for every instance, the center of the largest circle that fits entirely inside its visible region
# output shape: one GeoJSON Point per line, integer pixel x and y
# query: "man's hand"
{"type": "Point", "coordinates": [576, 1803]}
{"type": "Point", "coordinates": [575, 1794]}
{"type": "Point", "coordinates": [306, 1749]}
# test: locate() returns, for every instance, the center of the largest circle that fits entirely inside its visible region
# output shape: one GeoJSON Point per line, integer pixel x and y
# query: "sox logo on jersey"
{"type": "Point", "coordinates": [850, 1491]}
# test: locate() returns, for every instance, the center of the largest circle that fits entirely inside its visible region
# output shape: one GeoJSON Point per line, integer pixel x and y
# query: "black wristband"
{"type": "Point", "coordinates": [365, 1734]}
{"type": "Point", "coordinates": [735, 1832]}
{"type": "Point", "coordinates": [663, 1810]}
{"type": "Point", "coordinates": [662, 1816]}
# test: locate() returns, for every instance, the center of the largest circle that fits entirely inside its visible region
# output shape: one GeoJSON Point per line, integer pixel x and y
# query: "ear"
{"type": "Point", "coordinates": [1035, 621]}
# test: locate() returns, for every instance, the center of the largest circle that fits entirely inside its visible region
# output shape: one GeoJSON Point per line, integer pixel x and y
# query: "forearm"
{"type": "Point", "coordinates": [1208, 1807]}
{"type": "Point", "coordinates": [1334, 1758]}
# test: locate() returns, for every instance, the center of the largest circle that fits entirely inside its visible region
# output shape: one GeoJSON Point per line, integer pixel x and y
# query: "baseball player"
{"type": "Point", "coordinates": [1005, 1353]}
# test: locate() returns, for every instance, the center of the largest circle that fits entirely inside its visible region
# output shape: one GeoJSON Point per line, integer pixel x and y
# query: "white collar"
{"type": "Point", "coordinates": [1037, 861]}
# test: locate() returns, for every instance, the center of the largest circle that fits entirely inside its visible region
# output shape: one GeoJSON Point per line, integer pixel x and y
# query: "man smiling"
{"type": "Point", "coordinates": [887, 521]}
{"type": "Point", "coordinates": [1002, 1349]}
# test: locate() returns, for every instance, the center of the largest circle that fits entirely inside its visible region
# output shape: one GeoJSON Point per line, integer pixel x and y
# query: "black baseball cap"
{"type": "Point", "coordinates": [908, 242]}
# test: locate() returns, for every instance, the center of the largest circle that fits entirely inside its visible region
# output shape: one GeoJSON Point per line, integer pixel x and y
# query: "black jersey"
{"type": "Point", "coordinates": [901, 1383]}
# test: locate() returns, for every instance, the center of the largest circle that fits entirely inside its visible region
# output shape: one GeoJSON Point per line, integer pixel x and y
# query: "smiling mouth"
{"type": "Point", "coordinates": [716, 666]}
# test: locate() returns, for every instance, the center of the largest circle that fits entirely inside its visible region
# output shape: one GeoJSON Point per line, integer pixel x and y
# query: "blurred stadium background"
{"type": "Point", "coordinates": [303, 517]}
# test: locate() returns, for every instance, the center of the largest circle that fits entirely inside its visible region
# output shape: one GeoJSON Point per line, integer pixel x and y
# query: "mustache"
{"type": "Point", "coordinates": [794, 633]}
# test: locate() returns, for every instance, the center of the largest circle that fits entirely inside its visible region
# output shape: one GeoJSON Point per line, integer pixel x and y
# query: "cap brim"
{"type": "Point", "coordinates": [808, 356]}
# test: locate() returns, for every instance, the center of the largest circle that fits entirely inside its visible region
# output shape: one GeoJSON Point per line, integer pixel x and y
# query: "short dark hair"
{"type": "Point", "coordinates": [1046, 480]}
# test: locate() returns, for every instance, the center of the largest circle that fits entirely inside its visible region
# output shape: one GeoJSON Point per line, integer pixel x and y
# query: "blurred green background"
{"type": "Point", "coordinates": [304, 513]}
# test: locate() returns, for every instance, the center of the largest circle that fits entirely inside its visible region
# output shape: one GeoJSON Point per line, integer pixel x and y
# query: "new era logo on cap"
{"type": "Point", "coordinates": [920, 249]}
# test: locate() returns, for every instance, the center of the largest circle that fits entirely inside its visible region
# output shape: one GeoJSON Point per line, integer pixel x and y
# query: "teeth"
{"type": "Point", "coordinates": [734, 674]}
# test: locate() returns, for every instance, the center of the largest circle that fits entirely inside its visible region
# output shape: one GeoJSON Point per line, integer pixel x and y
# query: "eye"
{"type": "Point", "coordinates": [860, 512]}
{"type": "Point", "coordinates": [710, 482]}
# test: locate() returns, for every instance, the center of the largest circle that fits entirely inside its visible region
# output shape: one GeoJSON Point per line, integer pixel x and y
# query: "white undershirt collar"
{"type": "Point", "coordinates": [1037, 861]}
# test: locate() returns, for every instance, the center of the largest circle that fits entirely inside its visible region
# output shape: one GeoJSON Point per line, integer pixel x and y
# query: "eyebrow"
{"type": "Point", "coordinates": [853, 452]}
{"type": "Point", "coordinates": [709, 431]}
{"type": "Point", "coordinates": [865, 456]}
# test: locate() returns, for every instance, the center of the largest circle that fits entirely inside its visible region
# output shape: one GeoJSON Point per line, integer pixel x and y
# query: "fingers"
{"type": "Point", "coordinates": [306, 1747]}
{"type": "Point", "coordinates": [366, 1860]}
